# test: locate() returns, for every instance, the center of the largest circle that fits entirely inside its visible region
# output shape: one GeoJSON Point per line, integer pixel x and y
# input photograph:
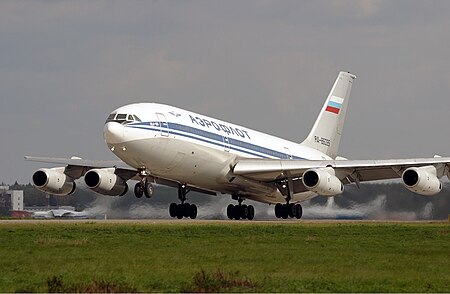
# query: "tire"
{"type": "Point", "coordinates": [251, 212]}
{"type": "Point", "coordinates": [230, 211]}
{"type": "Point", "coordinates": [244, 211]}
{"type": "Point", "coordinates": [193, 211]}
{"type": "Point", "coordinates": [138, 190]}
{"type": "Point", "coordinates": [284, 211]}
{"type": "Point", "coordinates": [291, 209]}
{"type": "Point", "coordinates": [173, 209]}
{"type": "Point", "coordinates": [237, 212]}
{"type": "Point", "coordinates": [278, 210]}
{"type": "Point", "coordinates": [148, 189]}
{"type": "Point", "coordinates": [298, 211]}
{"type": "Point", "coordinates": [185, 209]}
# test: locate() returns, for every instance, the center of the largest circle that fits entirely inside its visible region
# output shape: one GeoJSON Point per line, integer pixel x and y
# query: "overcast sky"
{"type": "Point", "coordinates": [267, 65]}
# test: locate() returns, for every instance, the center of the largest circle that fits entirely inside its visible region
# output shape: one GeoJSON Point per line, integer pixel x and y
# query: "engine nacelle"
{"type": "Point", "coordinates": [106, 182]}
{"type": "Point", "coordinates": [53, 181]}
{"type": "Point", "coordinates": [322, 181]}
{"type": "Point", "coordinates": [422, 180]}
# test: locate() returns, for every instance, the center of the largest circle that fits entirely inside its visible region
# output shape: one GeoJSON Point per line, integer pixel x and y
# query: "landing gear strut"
{"type": "Point", "coordinates": [143, 187]}
{"type": "Point", "coordinates": [240, 211]}
{"type": "Point", "coordinates": [289, 209]}
{"type": "Point", "coordinates": [183, 209]}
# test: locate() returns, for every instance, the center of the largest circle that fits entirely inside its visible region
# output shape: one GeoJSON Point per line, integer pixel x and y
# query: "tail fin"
{"type": "Point", "coordinates": [325, 135]}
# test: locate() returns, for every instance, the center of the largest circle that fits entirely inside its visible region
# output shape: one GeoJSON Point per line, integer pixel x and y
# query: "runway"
{"type": "Point", "coordinates": [209, 222]}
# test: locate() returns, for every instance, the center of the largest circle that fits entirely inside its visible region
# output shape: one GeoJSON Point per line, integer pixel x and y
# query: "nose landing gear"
{"type": "Point", "coordinates": [143, 187]}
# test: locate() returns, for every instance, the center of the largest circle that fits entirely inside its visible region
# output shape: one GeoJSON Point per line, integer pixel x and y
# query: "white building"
{"type": "Point", "coordinates": [16, 198]}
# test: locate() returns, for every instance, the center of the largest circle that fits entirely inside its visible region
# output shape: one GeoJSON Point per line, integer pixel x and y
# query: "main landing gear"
{"type": "Point", "coordinates": [183, 209]}
{"type": "Point", "coordinates": [143, 187]}
{"type": "Point", "coordinates": [240, 211]}
{"type": "Point", "coordinates": [289, 209]}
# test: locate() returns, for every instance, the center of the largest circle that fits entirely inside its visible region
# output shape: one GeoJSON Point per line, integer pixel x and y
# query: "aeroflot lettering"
{"type": "Point", "coordinates": [227, 129]}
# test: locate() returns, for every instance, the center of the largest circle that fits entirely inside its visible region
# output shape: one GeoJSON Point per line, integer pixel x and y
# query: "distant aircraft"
{"type": "Point", "coordinates": [170, 146]}
{"type": "Point", "coordinates": [60, 213]}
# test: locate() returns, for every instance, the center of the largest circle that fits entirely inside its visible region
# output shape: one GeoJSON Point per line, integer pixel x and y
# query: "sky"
{"type": "Point", "coordinates": [266, 65]}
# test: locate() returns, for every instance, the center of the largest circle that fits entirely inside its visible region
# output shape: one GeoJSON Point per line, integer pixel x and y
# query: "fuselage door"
{"type": "Point", "coordinates": [226, 143]}
{"type": "Point", "coordinates": [163, 124]}
{"type": "Point", "coordinates": [288, 153]}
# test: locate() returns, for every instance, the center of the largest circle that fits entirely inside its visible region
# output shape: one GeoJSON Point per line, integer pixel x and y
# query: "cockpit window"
{"type": "Point", "coordinates": [111, 117]}
{"type": "Point", "coordinates": [122, 118]}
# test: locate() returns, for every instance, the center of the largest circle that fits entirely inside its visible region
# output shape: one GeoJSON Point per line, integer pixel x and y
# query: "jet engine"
{"type": "Point", "coordinates": [53, 181]}
{"type": "Point", "coordinates": [422, 180]}
{"type": "Point", "coordinates": [106, 182]}
{"type": "Point", "coordinates": [322, 181]}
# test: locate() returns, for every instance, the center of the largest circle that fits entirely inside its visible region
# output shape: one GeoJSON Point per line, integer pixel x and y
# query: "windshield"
{"type": "Point", "coordinates": [122, 118]}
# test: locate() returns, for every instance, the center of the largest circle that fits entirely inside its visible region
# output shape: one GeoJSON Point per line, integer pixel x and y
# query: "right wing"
{"type": "Point", "coordinates": [60, 181]}
{"type": "Point", "coordinates": [347, 171]}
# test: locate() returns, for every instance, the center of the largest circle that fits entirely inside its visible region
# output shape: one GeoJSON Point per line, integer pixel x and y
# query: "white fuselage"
{"type": "Point", "coordinates": [197, 150]}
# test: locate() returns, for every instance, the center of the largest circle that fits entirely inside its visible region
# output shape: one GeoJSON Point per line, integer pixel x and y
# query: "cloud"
{"type": "Point", "coordinates": [362, 8]}
{"type": "Point", "coordinates": [64, 66]}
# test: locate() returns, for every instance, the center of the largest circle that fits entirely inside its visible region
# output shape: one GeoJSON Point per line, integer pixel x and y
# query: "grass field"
{"type": "Point", "coordinates": [224, 257]}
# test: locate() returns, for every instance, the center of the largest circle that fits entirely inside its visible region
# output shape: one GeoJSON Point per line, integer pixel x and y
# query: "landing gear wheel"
{"type": "Point", "coordinates": [238, 212]}
{"type": "Point", "coordinates": [138, 190]}
{"type": "Point", "coordinates": [230, 211]}
{"type": "Point", "coordinates": [186, 209]}
{"type": "Point", "coordinates": [193, 211]}
{"type": "Point", "coordinates": [173, 209]}
{"type": "Point", "coordinates": [244, 211]}
{"type": "Point", "coordinates": [288, 210]}
{"type": "Point", "coordinates": [298, 211]}
{"type": "Point", "coordinates": [148, 189]}
{"type": "Point", "coordinates": [284, 212]}
{"type": "Point", "coordinates": [278, 210]}
{"type": "Point", "coordinates": [291, 209]}
{"type": "Point", "coordinates": [251, 212]}
{"type": "Point", "coordinates": [183, 210]}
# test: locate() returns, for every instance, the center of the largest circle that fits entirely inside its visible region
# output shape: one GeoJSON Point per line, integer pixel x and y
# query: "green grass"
{"type": "Point", "coordinates": [199, 257]}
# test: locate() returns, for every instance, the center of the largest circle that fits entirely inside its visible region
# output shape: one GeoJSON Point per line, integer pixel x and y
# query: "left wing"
{"type": "Point", "coordinates": [423, 172]}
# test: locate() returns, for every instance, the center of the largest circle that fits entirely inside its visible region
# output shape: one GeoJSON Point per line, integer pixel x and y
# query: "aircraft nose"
{"type": "Point", "coordinates": [113, 133]}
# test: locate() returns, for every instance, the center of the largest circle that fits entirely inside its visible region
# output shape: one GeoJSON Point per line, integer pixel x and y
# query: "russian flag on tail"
{"type": "Point", "coordinates": [334, 104]}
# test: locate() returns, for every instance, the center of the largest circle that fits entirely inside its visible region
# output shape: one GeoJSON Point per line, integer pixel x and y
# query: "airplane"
{"type": "Point", "coordinates": [60, 213]}
{"type": "Point", "coordinates": [162, 144]}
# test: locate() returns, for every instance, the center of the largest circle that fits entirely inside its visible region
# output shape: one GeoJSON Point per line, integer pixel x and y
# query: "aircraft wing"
{"type": "Point", "coordinates": [271, 170]}
{"type": "Point", "coordinates": [77, 167]}
{"type": "Point", "coordinates": [76, 161]}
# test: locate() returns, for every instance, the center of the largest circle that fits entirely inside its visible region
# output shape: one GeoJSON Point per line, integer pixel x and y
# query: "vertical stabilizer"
{"type": "Point", "coordinates": [325, 135]}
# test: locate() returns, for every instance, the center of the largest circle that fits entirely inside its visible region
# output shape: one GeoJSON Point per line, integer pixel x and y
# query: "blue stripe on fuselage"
{"type": "Point", "coordinates": [213, 138]}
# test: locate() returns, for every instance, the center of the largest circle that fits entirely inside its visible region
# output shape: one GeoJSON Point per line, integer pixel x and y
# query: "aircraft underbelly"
{"type": "Point", "coordinates": [197, 165]}
{"type": "Point", "coordinates": [184, 161]}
